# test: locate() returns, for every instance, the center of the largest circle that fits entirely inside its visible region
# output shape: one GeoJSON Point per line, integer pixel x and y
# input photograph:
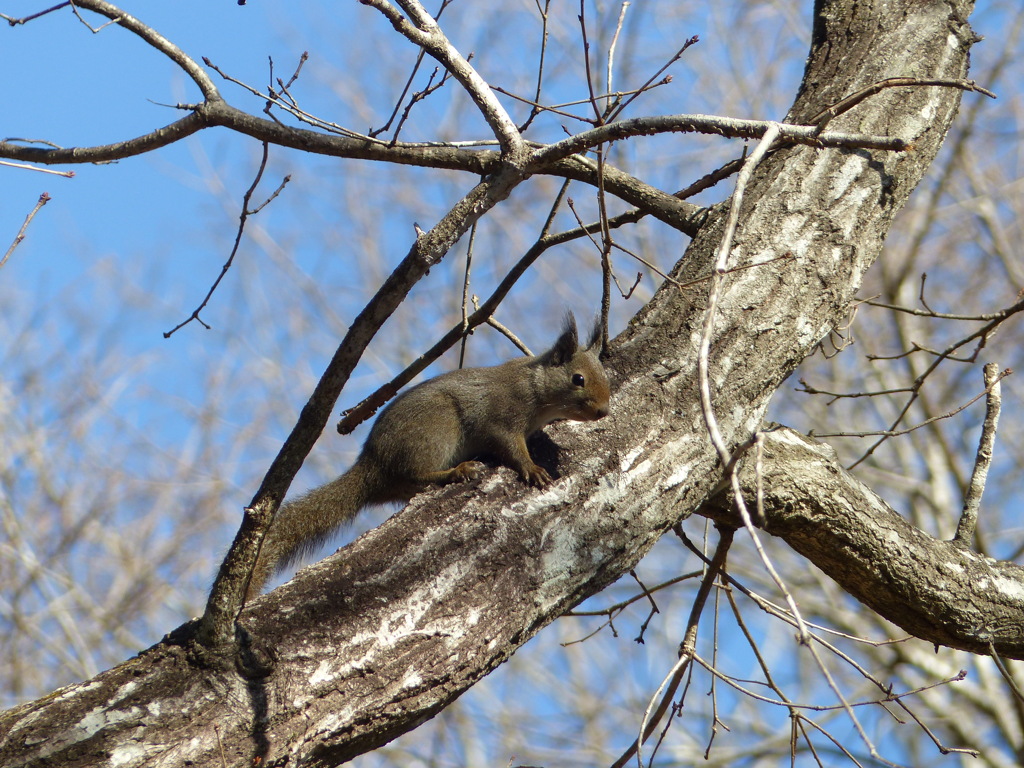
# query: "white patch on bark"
{"type": "Point", "coordinates": [127, 754]}
{"type": "Point", "coordinates": [1012, 589]}
{"type": "Point", "coordinates": [411, 679]}
{"type": "Point", "coordinates": [321, 674]}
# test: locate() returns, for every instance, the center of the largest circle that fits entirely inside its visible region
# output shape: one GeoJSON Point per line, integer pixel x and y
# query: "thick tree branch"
{"type": "Point", "coordinates": [939, 591]}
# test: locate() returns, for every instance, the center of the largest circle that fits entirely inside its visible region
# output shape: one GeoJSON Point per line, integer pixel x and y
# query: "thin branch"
{"type": "Point", "coordinates": [937, 315]}
{"type": "Point", "coordinates": [449, 156]}
{"type": "Point", "coordinates": [291, 106]}
{"type": "Point", "coordinates": [586, 62]}
{"type": "Point", "coordinates": [504, 330]}
{"type": "Point", "coordinates": [559, 109]}
{"type": "Point", "coordinates": [721, 264]}
{"type": "Point", "coordinates": [722, 126]}
{"type": "Point", "coordinates": [654, 607]}
{"type": "Point", "coordinates": [849, 102]}
{"type": "Point", "coordinates": [408, 84]}
{"type": "Point", "coordinates": [924, 303]}
{"type": "Point", "coordinates": [418, 97]}
{"type": "Point", "coordinates": [1001, 666]}
{"type": "Point", "coordinates": [981, 335]}
{"type": "Point", "coordinates": [87, 25]}
{"type": "Point", "coordinates": [890, 696]}
{"type": "Point", "coordinates": [614, 610]}
{"type": "Point", "coordinates": [972, 499]}
{"type": "Point", "coordinates": [812, 390]}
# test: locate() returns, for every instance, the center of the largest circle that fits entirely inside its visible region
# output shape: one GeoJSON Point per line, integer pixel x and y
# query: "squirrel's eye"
{"type": "Point", "coordinates": [577, 379]}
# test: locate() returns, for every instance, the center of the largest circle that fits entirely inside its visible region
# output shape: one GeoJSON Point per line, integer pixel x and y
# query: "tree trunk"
{"type": "Point", "coordinates": [380, 637]}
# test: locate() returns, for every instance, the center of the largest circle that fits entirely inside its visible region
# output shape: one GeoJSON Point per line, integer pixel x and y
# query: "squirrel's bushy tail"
{"type": "Point", "coordinates": [303, 525]}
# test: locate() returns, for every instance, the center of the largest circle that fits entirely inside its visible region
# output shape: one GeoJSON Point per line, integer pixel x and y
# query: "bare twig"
{"type": "Point", "coordinates": [87, 25]}
{"type": "Point", "coordinates": [504, 330]}
{"type": "Point", "coordinates": [157, 42]}
{"type": "Point", "coordinates": [1001, 666]}
{"type": "Point", "coordinates": [924, 303]}
{"type": "Point", "coordinates": [419, 96]}
{"type": "Point", "coordinates": [586, 63]}
{"type": "Point", "coordinates": [291, 107]}
{"type": "Point", "coordinates": [650, 81]}
{"type": "Point", "coordinates": [981, 336]}
{"type": "Point", "coordinates": [710, 124]}
{"type": "Point", "coordinates": [717, 279]}
{"type": "Point", "coordinates": [421, 29]}
{"type": "Point", "coordinates": [889, 696]}
{"type": "Point", "coordinates": [937, 315]}
{"type": "Point", "coordinates": [614, 610]}
{"type": "Point", "coordinates": [243, 217]}
{"type": "Point", "coordinates": [408, 84]}
{"type": "Point", "coordinates": [610, 67]}
{"type": "Point", "coordinates": [43, 200]}
{"type": "Point", "coordinates": [656, 708]}
{"type": "Point", "coordinates": [536, 108]}
{"type": "Point", "coordinates": [559, 109]}
{"type": "Point", "coordinates": [654, 607]}
{"type": "Point", "coordinates": [32, 17]}
{"type": "Point", "coordinates": [26, 167]}
{"type": "Point", "coordinates": [887, 433]}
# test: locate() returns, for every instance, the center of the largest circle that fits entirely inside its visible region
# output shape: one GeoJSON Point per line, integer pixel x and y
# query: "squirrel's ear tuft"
{"type": "Point", "coordinates": [567, 343]}
{"type": "Point", "coordinates": [594, 342]}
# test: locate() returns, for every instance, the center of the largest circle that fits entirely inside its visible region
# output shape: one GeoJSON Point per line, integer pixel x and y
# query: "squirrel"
{"type": "Point", "coordinates": [432, 433]}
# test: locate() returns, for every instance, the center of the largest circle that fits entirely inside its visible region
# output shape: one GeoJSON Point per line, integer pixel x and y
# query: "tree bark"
{"type": "Point", "coordinates": [380, 637]}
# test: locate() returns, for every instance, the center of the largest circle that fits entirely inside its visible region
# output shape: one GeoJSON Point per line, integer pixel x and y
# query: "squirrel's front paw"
{"type": "Point", "coordinates": [537, 476]}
